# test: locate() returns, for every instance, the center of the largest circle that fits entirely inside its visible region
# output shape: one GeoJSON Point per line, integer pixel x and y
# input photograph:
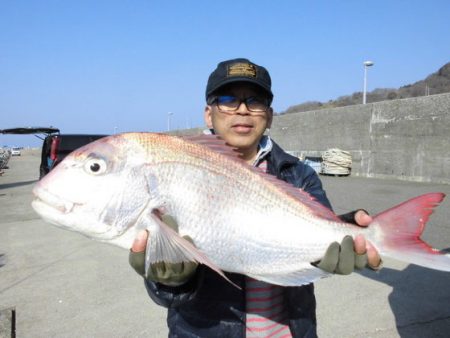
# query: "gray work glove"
{"type": "Point", "coordinates": [342, 259]}
{"type": "Point", "coordinates": [171, 274]}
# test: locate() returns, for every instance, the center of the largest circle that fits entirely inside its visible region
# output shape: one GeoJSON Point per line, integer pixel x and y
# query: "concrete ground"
{"type": "Point", "coordinates": [62, 284]}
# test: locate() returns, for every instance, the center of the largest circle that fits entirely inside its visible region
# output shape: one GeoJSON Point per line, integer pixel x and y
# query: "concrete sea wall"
{"type": "Point", "coordinates": [407, 139]}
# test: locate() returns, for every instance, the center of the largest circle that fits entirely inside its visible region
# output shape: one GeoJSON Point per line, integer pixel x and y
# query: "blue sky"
{"type": "Point", "coordinates": [100, 66]}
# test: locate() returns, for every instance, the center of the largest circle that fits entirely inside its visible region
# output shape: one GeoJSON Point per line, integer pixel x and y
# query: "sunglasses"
{"type": "Point", "coordinates": [229, 103]}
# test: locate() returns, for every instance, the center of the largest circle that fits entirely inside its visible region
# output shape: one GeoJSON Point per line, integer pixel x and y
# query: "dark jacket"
{"type": "Point", "coordinates": [209, 306]}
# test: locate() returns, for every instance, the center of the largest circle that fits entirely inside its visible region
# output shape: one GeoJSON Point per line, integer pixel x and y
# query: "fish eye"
{"type": "Point", "coordinates": [95, 166]}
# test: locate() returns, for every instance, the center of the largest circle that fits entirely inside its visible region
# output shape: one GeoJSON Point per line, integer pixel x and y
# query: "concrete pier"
{"type": "Point", "coordinates": [62, 284]}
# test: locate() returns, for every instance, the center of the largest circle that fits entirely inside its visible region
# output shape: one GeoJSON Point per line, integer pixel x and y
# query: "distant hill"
{"type": "Point", "coordinates": [435, 83]}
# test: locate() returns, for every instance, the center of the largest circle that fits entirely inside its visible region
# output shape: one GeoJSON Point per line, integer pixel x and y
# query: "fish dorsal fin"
{"type": "Point", "coordinates": [217, 144]}
{"type": "Point", "coordinates": [302, 196]}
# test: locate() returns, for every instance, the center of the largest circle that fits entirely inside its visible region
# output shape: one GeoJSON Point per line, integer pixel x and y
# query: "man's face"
{"type": "Point", "coordinates": [242, 128]}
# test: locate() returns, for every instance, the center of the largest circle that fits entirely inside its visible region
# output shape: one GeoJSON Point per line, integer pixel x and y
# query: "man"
{"type": "Point", "coordinates": [203, 304]}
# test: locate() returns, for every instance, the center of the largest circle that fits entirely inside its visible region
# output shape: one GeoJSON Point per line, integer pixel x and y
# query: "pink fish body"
{"type": "Point", "coordinates": [240, 219]}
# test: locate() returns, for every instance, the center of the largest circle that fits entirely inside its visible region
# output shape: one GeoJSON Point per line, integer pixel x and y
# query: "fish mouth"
{"type": "Point", "coordinates": [43, 196]}
{"type": "Point", "coordinates": [60, 212]}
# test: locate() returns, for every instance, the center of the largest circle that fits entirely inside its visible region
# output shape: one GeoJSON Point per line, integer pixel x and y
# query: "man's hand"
{"type": "Point", "coordinates": [136, 257]}
{"type": "Point", "coordinates": [171, 274]}
{"type": "Point", "coordinates": [351, 254]}
{"type": "Point", "coordinates": [364, 247]}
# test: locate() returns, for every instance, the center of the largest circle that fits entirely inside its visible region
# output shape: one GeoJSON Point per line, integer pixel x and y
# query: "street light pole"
{"type": "Point", "coordinates": [169, 114]}
{"type": "Point", "coordinates": [366, 65]}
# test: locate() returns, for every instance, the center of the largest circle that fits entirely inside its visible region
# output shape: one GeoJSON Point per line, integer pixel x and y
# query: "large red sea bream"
{"type": "Point", "coordinates": [240, 219]}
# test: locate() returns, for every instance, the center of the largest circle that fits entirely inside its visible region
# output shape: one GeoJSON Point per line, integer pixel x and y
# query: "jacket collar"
{"type": "Point", "coordinates": [264, 148]}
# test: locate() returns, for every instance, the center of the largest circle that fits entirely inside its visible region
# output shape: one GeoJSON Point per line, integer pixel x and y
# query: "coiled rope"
{"type": "Point", "coordinates": [336, 162]}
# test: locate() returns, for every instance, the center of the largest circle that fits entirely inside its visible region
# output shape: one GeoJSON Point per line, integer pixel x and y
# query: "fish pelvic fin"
{"type": "Point", "coordinates": [166, 245]}
{"type": "Point", "coordinates": [305, 275]}
{"type": "Point", "coordinates": [400, 229]}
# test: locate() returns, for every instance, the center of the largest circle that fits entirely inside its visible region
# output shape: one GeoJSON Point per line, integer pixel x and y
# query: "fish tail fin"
{"type": "Point", "coordinates": [398, 232]}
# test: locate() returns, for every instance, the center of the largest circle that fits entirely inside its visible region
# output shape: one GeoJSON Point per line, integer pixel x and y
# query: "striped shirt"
{"type": "Point", "coordinates": [264, 302]}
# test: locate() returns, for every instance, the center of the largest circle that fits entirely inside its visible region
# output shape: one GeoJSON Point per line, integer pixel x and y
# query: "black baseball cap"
{"type": "Point", "coordinates": [239, 70]}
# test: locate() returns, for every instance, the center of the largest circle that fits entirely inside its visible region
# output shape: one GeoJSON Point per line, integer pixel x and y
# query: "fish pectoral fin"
{"type": "Point", "coordinates": [166, 245]}
{"type": "Point", "coordinates": [305, 275]}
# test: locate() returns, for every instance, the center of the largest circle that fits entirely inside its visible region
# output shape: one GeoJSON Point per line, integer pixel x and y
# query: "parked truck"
{"type": "Point", "coordinates": [55, 145]}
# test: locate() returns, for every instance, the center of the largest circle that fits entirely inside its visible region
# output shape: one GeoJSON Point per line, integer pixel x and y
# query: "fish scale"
{"type": "Point", "coordinates": [252, 234]}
